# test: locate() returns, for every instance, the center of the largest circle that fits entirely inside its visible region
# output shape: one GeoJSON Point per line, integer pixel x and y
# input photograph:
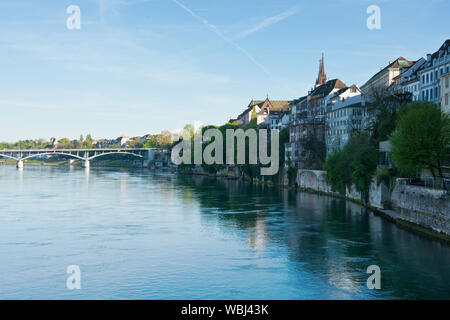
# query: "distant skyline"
{"type": "Point", "coordinates": [143, 66]}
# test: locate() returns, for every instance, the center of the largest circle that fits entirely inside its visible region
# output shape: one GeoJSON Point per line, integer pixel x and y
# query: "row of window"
{"type": "Point", "coordinates": [338, 132]}
{"type": "Point", "coordinates": [412, 89]}
{"type": "Point", "coordinates": [354, 122]}
{"type": "Point", "coordinates": [430, 94]}
{"type": "Point", "coordinates": [433, 76]}
{"type": "Point", "coordinates": [343, 113]}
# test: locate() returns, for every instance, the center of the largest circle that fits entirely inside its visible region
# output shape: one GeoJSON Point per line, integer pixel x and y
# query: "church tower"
{"type": "Point", "coordinates": [322, 78]}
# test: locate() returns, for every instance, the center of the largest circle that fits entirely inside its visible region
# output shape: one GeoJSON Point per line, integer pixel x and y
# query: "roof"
{"type": "Point", "coordinates": [326, 88]}
{"type": "Point", "coordinates": [277, 104]}
{"type": "Point", "coordinates": [400, 63]}
{"type": "Point", "coordinates": [444, 47]}
{"type": "Point", "coordinates": [298, 100]}
{"type": "Point", "coordinates": [341, 91]}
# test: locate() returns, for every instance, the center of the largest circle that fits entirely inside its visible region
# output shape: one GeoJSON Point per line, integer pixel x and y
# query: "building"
{"type": "Point", "coordinates": [436, 65]}
{"type": "Point", "coordinates": [410, 79]}
{"type": "Point", "coordinates": [277, 120]}
{"type": "Point", "coordinates": [445, 93]}
{"type": "Point", "coordinates": [261, 109]}
{"type": "Point", "coordinates": [345, 115]}
{"type": "Point", "coordinates": [380, 84]}
{"type": "Point", "coordinates": [296, 108]}
{"type": "Point", "coordinates": [307, 148]}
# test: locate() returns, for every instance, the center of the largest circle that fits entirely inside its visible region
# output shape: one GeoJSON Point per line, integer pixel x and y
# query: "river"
{"type": "Point", "coordinates": [140, 235]}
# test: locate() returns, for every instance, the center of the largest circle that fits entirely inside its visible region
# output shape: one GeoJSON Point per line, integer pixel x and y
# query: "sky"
{"type": "Point", "coordinates": [142, 66]}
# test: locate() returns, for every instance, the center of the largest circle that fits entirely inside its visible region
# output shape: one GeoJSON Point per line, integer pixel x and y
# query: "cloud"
{"type": "Point", "coordinates": [268, 22]}
{"type": "Point", "coordinates": [224, 38]}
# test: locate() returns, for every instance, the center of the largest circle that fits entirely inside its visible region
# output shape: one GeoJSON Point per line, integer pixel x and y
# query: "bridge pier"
{"type": "Point", "coordinates": [19, 164]}
{"type": "Point", "coordinates": [71, 161]}
{"type": "Point", "coordinates": [149, 157]}
{"type": "Point", "coordinates": [86, 164]}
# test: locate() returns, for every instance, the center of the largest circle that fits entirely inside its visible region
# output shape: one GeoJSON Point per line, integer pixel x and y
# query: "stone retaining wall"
{"type": "Point", "coordinates": [426, 207]}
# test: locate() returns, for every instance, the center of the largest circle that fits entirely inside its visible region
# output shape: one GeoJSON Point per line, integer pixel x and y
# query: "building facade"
{"type": "Point", "coordinates": [345, 115]}
{"type": "Point", "coordinates": [380, 84]}
{"type": "Point", "coordinates": [410, 82]}
{"type": "Point", "coordinates": [307, 122]}
{"type": "Point", "coordinates": [261, 109]}
{"type": "Point", "coordinates": [445, 93]}
{"type": "Point", "coordinates": [437, 64]}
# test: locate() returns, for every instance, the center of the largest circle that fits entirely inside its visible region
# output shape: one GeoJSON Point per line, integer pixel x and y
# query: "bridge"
{"type": "Point", "coordinates": [85, 155]}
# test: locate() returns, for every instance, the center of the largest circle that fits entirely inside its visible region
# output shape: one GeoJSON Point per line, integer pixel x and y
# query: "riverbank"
{"type": "Point", "coordinates": [418, 209]}
{"type": "Point", "coordinates": [77, 163]}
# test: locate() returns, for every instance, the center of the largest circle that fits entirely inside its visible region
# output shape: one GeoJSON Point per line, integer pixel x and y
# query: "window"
{"type": "Point", "coordinates": [446, 99]}
{"type": "Point", "coordinates": [446, 81]}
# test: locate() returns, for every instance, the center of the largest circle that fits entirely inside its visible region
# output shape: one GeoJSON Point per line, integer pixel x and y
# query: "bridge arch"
{"type": "Point", "coordinates": [308, 179]}
{"type": "Point", "coordinates": [52, 153]}
{"type": "Point", "coordinates": [116, 152]}
{"type": "Point", "coordinates": [9, 157]}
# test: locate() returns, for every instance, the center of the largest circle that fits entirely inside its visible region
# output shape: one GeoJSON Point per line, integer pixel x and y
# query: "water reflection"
{"type": "Point", "coordinates": [331, 238]}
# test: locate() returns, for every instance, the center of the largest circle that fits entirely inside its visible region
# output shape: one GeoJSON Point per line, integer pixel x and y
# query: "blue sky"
{"type": "Point", "coordinates": [139, 66]}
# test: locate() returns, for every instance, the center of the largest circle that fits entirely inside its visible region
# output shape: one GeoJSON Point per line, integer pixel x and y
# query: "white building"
{"type": "Point", "coordinates": [345, 115]}
{"type": "Point", "coordinates": [276, 120]}
{"type": "Point", "coordinates": [261, 109]}
{"type": "Point", "coordinates": [410, 79]}
{"type": "Point", "coordinates": [445, 93]}
{"type": "Point", "coordinates": [436, 65]}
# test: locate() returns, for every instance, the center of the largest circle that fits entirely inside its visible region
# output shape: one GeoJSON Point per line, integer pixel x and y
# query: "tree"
{"type": "Point", "coordinates": [151, 143]}
{"type": "Point", "coordinates": [88, 141]}
{"type": "Point", "coordinates": [354, 164]}
{"type": "Point", "coordinates": [335, 166]}
{"type": "Point", "coordinates": [189, 130]}
{"type": "Point", "coordinates": [64, 143]}
{"type": "Point", "coordinates": [164, 139]}
{"type": "Point", "coordinates": [363, 166]}
{"type": "Point", "coordinates": [421, 139]}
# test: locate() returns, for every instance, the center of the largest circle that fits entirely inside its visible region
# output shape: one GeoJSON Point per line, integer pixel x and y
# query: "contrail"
{"type": "Point", "coordinates": [268, 22]}
{"type": "Point", "coordinates": [221, 35]}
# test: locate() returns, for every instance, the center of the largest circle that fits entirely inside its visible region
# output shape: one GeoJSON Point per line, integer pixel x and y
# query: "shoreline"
{"type": "Point", "coordinates": [387, 214]}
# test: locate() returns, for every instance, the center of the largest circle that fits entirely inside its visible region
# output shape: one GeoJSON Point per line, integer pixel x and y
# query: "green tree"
{"type": "Point", "coordinates": [189, 129]}
{"type": "Point", "coordinates": [335, 166]}
{"type": "Point", "coordinates": [164, 139]}
{"type": "Point", "coordinates": [354, 164]}
{"type": "Point", "coordinates": [151, 143]}
{"type": "Point", "coordinates": [64, 143]}
{"type": "Point", "coordinates": [363, 166]}
{"type": "Point", "coordinates": [421, 139]}
{"type": "Point", "coordinates": [88, 141]}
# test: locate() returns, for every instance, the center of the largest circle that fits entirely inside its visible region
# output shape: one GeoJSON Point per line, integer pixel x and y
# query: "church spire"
{"type": "Point", "coordinates": [322, 78]}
